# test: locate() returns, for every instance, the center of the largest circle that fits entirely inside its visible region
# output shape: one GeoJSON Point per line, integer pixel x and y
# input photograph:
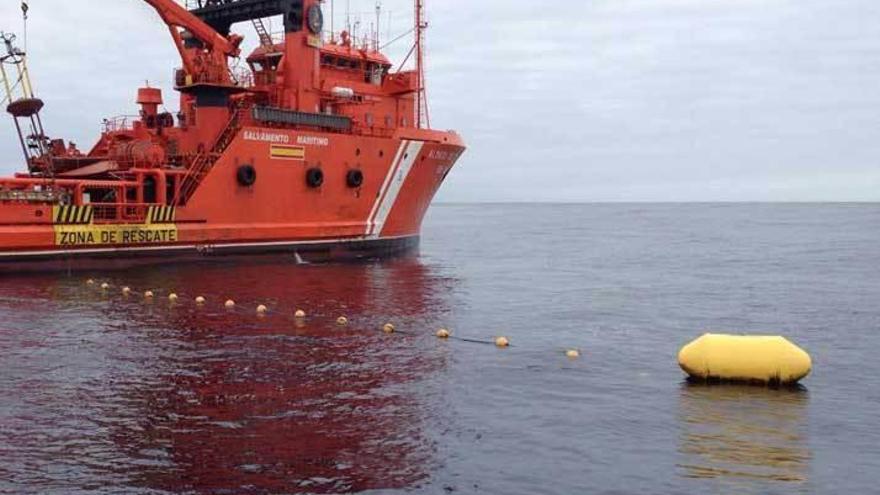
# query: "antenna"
{"type": "Point", "coordinates": [24, 19]}
{"type": "Point", "coordinates": [378, 20]}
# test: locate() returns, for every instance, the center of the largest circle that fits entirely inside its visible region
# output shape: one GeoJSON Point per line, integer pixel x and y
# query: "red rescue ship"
{"type": "Point", "coordinates": [318, 148]}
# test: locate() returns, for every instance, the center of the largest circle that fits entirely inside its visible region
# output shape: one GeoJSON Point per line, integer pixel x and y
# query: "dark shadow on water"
{"type": "Point", "coordinates": [740, 434]}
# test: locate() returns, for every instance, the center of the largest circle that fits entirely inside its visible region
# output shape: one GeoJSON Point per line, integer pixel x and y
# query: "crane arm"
{"type": "Point", "coordinates": [175, 15]}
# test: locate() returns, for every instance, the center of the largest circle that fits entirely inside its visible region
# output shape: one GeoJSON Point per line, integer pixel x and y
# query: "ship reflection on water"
{"type": "Point", "coordinates": [744, 434]}
{"type": "Point", "coordinates": [217, 401]}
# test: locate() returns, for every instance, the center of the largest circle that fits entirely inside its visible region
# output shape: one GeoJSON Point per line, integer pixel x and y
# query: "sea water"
{"type": "Point", "coordinates": [100, 393]}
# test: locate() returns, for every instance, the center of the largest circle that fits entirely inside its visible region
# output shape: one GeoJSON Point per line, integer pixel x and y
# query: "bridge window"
{"type": "Point", "coordinates": [348, 64]}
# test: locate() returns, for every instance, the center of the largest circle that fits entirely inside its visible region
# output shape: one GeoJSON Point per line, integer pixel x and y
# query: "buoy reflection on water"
{"type": "Point", "coordinates": [738, 432]}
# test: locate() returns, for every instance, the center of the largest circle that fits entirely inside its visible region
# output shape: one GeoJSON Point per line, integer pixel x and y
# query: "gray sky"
{"type": "Point", "coordinates": [593, 100]}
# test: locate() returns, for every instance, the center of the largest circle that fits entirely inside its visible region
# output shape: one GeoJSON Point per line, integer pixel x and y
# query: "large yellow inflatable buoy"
{"type": "Point", "coordinates": [744, 358]}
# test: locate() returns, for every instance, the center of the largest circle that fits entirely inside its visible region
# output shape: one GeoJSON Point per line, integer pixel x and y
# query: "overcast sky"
{"type": "Point", "coordinates": [562, 100]}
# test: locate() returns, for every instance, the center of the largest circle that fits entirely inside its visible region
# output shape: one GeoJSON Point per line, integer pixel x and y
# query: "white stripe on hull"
{"type": "Point", "coordinates": [379, 197]}
{"type": "Point", "coordinates": [398, 178]}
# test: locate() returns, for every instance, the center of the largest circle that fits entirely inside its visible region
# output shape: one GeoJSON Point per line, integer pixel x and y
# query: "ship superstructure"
{"type": "Point", "coordinates": [317, 146]}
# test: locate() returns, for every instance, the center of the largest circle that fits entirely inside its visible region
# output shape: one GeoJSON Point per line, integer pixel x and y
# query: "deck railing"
{"type": "Point", "coordinates": [109, 213]}
{"type": "Point", "coordinates": [120, 123]}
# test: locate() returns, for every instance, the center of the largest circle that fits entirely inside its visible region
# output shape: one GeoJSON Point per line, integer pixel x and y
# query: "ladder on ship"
{"type": "Point", "coordinates": [202, 164]}
{"type": "Point", "coordinates": [263, 33]}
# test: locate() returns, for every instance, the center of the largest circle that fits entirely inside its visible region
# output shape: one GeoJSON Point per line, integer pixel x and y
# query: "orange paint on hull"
{"type": "Point", "coordinates": [319, 150]}
{"type": "Point", "coordinates": [280, 207]}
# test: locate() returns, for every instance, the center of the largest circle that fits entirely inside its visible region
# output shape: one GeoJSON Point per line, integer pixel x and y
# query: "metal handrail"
{"type": "Point", "coordinates": [120, 123]}
{"type": "Point", "coordinates": [109, 213]}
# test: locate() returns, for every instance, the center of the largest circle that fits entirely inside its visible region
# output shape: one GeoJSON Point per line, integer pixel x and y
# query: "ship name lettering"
{"type": "Point", "coordinates": [440, 155]}
{"type": "Point", "coordinates": [266, 137]}
{"type": "Point", "coordinates": [312, 141]}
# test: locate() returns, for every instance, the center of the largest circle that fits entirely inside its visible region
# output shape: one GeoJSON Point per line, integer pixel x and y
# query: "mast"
{"type": "Point", "coordinates": [422, 117]}
{"type": "Point", "coordinates": [378, 20]}
{"type": "Point", "coordinates": [24, 106]}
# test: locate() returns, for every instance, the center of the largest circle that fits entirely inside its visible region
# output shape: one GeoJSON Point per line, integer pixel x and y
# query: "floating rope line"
{"type": "Point", "coordinates": [471, 341]}
{"type": "Point", "coordinates": [299, 319]}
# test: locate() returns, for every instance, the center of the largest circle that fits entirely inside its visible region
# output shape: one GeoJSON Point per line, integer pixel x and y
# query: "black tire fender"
{"type": "Point", "coordinates": [314, 177]}
{"type": "Point", "coordinates": [246, 175]}
{"type": "Point", "coordinates": [354, 178]}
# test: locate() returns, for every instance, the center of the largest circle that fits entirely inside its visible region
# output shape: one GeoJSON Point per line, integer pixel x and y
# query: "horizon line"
{"type": "Point", "coordinates": [661, 202]}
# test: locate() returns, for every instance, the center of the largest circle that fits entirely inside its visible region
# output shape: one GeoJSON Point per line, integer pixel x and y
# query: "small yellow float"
{"type": "Point", "coordinates": [742, 358]}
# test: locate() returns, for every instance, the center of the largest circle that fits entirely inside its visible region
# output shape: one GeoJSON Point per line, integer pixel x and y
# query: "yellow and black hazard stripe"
{"type": "Point", "coordinates": [73, 215]}
{"type": "Point", "coordinates": [161, 214]}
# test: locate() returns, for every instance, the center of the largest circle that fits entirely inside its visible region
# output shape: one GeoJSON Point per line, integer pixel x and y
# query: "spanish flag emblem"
{"type": "Point", "coordinates": [282, 152]}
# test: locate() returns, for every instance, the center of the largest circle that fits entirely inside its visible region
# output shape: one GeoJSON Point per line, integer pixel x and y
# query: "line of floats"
{"type": "Point", "coordinates": [300, 314]}
{"type": "Point", "coordinates": [711, 358]}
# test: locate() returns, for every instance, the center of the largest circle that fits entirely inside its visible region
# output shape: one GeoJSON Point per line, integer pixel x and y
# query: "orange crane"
{"type": "Point", "coordinates": [204, 51]}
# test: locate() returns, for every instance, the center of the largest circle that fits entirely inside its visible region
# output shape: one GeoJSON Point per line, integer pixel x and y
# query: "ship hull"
{"type": "Point", "coordinates": [132, 257]}
{"type": "Point", "coordinates": [280, 213]}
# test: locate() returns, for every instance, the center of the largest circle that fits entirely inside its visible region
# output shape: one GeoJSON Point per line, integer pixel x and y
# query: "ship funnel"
{"type": "Point", "coordinates": [149, 99]}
